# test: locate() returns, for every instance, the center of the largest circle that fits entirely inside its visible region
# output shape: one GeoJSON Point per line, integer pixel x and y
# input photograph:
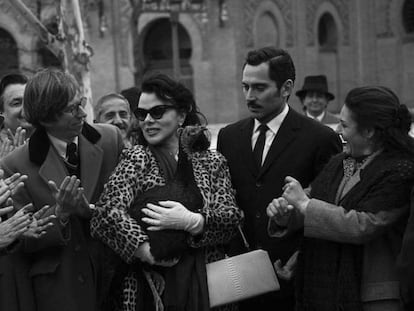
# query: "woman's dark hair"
{"type": "Point", "coordinates": [378, 108]}
{"type": "Point", "coordinates": [168, 90]}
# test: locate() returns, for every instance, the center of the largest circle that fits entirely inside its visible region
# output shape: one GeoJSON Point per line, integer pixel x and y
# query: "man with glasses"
{"type": "Point", "coordinates": [67, 162]}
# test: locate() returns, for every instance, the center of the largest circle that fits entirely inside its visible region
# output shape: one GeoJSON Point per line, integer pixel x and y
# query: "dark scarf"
{"type": "Point", "coordinates": [329, 273]}
{"type": "Point", "coordinates": [186, 282]}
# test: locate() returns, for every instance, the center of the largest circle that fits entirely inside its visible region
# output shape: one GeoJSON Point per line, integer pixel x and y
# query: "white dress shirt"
{"type": "Point", "coordinates": [60, 145]}
{"type": "Point", "coordinates": [317, 118]}
{"type": "Point", "coordinates": [273, 126]}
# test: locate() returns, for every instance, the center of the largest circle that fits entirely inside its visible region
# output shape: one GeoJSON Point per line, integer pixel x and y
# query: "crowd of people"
{"type": "Point", "coordinates": [125, 213]}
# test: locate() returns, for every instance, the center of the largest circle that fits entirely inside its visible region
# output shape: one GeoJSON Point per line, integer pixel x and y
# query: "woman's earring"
{"type": "Point", "coordinates": [179, 129]}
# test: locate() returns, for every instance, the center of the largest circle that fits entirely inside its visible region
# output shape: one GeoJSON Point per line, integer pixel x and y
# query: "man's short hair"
{"type": "Point", "coordinates": [103, 99]}
{"type": "Point", "coordinates": [13, 78]}
{"type": "Point", "coordinates": [281, 67]}
{"type": "Point", "coordinates": [47, 94]}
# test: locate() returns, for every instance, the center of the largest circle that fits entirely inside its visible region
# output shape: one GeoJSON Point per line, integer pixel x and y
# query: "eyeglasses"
{"type": "Point", "coordinates": [156, 112]}
{"type": "Point", "coordinates": [75, 108]}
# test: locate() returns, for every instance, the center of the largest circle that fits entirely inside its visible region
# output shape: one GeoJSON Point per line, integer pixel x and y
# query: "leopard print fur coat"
{"type": "Point", "coordinates": [137, 172]}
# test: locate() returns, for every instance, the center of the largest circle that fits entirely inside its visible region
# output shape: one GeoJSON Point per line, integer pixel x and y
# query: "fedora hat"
{"type": "Point", "coordinates": [315, 83]}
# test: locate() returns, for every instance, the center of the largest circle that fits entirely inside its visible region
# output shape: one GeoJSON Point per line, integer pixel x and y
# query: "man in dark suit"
{"type": "Point", "coordinates": [274, 142]}
{"type": "Point", "coordinates": [67, 163]}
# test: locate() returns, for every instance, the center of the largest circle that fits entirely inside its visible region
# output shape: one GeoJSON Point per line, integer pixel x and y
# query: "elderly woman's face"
{"type": "Point", "coordinates": [357, 143]}
{"type": "Point", "coordinates": [158, 120]}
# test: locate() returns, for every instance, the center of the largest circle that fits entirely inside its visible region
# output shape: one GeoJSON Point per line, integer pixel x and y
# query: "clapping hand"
{"type": "Point", "coordinates": [279, 210]}
{"type": "Point", "coordinates": [12, 141]}
{"type": "Point", "coordinates": [70, 198]}
{"type": "Point", "coordinates": [19, 138]}
{"type": "Point", "coordinates": [15, 226]}
{"type": "Point", "coordinates": [294, 194]}
{"type": "Point", "coordinates": [6, 146]}
{"type": "Point", "coordinates": [10, 185]}
{"type": "Point", "coordinates": [39, 223]}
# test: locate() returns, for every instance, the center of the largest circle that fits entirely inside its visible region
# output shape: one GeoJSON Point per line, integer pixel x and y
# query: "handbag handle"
{"type": "Point", "coordinates": [246, 244]}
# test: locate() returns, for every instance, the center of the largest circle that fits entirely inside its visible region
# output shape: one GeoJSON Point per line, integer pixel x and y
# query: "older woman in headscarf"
{"type": "Point", "coordinates": [353, 216]}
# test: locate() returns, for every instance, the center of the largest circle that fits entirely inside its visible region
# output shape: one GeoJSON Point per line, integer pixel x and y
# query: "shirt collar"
{"type": "Point", "coordinates": [318, 118]}
{"type": "Point", "coordinates": [60, 145]}
{"type": "Point", "coordinates": [275, 123]}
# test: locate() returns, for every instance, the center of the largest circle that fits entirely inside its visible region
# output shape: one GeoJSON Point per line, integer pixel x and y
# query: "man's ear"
{"type": "Point", "coordinates": [287, 88]}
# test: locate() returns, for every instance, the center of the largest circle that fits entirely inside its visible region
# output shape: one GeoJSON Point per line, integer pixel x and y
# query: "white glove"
{"type": "Point", "coordinates": [172, 215]}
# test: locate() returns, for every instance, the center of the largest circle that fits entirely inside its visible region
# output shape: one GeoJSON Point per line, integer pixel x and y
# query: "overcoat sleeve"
{"type": "Point", "coordinates": [111, 223]}
{"type": "Point", "coordinates": [222, 216]}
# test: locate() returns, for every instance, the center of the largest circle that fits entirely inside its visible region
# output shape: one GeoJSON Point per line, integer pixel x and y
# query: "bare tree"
{"type": "Point", "coordinates": [68, 44]}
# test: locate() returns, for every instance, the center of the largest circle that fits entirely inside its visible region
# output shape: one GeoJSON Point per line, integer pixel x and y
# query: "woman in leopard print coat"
{"type": "Point", "coordinates": [209, 227]}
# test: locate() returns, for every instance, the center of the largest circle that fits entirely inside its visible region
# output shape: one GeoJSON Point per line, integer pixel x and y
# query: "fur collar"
{"type": "Point", "coordinates": [39, 143]}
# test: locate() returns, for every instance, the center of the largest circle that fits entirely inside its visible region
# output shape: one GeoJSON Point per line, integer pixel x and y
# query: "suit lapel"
{"type": "Point", "coordinates": [91, 157]}
{"type": "Point", "coordinates": [245, 144]}
{"type": "Point", "coordinates": [53, 168]}
{"type": "Point", "coordinates": [354, 180]}
{"type": "Point", "coordinates": [286, 134]}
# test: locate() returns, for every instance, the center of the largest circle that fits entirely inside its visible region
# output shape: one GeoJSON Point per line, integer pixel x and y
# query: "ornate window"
{"type": "Point", "coordinates": [327, 33]}
{"type": "Point", "coordinates": [408, 16]}
{"type": "Point", "coordinates": [266, 30]}
{"type": "Point", "coordinates": [9, 60]}
{"type": "Point", "coordinates": [158, 52]}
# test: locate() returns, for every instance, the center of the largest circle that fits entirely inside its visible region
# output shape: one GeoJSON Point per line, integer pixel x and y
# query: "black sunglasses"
{"type": "Point", "coordinates": [156, 112]}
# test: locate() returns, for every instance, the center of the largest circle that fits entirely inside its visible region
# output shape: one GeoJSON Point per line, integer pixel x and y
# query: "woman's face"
{"type": "Point", "coordinates": [357, 143]}
{"type": "Point", "coordinates": [159, 128]}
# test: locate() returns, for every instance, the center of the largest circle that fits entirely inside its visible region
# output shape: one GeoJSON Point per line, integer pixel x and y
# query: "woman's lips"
{"type": "Point", "coordinates": [152, 131]}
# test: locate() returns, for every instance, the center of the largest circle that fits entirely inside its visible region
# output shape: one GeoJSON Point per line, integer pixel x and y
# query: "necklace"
{"type": "Point", "coordinates": [174, 154]}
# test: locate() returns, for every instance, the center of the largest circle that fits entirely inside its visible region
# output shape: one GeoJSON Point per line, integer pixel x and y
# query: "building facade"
{"type": "Point", "coordinates": [352, 42]}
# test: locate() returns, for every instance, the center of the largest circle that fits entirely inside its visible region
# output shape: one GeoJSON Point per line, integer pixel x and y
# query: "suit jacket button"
{"type": "Point", "coordinates": [77, 248]}
{"type": "Point", "coordinates": [81, 279]}
{"type": "Point", "coordinates": [258, 215]}
{"type": "Point", "coordinates": [258, 184]}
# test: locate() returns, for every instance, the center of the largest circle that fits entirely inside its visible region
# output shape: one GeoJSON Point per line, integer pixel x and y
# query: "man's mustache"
{"type": "Point", "coordinates": [253, 104]}
{"type": "Point", "coordinates": [121, 126]}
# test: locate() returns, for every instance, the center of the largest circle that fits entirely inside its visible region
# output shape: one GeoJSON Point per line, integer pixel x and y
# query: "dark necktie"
{"type": "Point", "coordinates": [260, 143]}
{"type": "Point", "coordinates": [71, 154]}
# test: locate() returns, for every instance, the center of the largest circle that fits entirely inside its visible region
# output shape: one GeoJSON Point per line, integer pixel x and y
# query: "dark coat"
{"type": "Point", "coordinates": [329, 118]}
{"type": "Point", "coordinates": [405, 262]}
{"type": "Point", "coordinates": [368, 214]}
{"type": "Point", "coordinates": [67, 263]}
{"type": "Point", "coordinates": [300, 149]}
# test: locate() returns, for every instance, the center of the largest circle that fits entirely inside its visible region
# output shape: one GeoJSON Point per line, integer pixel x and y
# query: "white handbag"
{"type": "Point", "coordinates": [240, 277]}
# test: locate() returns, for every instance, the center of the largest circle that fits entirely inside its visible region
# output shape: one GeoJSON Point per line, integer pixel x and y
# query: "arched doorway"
{"type": "Point", "coordinates": [328, 56]}
{"type": "Point", "coordinates": [408, 16]}
{"type": "Point", "coordinates": [9, 57]}
{"type": "Point", "coordinates": [266, 30]}
{"type": "Point", "coordinates": [158, 53]}
{"type": "Point", "coordinates": [327, 33]}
